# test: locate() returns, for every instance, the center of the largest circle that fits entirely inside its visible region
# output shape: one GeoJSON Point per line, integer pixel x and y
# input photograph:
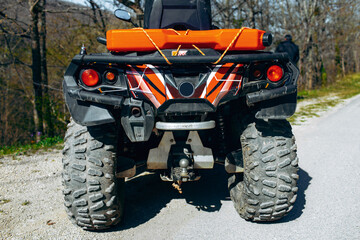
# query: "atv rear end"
{"type": "Point", "coordinates": [177, 102]}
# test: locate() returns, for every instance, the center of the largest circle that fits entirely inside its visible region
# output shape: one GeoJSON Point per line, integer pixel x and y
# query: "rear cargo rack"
{"type": "Point", "coordinates": [159, 60]}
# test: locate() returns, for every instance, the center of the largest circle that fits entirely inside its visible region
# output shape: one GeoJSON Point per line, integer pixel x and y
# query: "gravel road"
{"type": "Point", "coordinates": [31, 202]}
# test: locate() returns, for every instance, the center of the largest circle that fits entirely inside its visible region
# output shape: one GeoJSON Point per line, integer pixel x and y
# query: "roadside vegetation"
{"type": "Point", "coordinates": [45, 144]}
{"type": "Point", "coordinates": [319, 100]}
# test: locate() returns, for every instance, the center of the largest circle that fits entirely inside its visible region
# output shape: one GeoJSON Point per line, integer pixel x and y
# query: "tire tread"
{"type": "Point", "coordinates": [88, 189]}
{"type": "Point", "coordinates": [268, 190]}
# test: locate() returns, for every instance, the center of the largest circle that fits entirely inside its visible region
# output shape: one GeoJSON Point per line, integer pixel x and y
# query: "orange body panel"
{"type": "Point", "coordinates": [129, 40]}
{"type": "Point", "coordinates": [147, 82]}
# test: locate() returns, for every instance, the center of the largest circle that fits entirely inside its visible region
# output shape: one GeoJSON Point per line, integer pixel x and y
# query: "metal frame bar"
{"type": "Point", "coordinates": [178, 126]}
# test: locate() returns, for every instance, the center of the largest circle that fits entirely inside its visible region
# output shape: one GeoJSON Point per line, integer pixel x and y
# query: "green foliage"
{"type": "Point", "coordinates": [238, 23]}
{"type": "Point", "coordinates": [312, 110]}
{"type": "Point", "coordinates": [25, 203]}
{"type": "Point", "coordinates": [44, 144]}
{"type": "Point", "coordinates": [326, 97]}
{"type": "Point", "coordinates": [3, 201]}
{"type": "Point", "coordinates": [346, 87]}
{"type": "Point", "coordinates": [323, 76]}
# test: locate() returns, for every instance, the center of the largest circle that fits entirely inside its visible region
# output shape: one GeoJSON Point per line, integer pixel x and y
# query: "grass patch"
{"type": "Point", "coordinates": [344, 88]}
{"type": "Point", "coordinates": [326, 97]}
{"type": "Point", "coordinates": [312, 110]}
{"type": "Point", "coordinates": [44, 144]}
{"type": "Point", "coordinates": [3, 201]}
{"type": "Point", "coordinates": [25, 203]}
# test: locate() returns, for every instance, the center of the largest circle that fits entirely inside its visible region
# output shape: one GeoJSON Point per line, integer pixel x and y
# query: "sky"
{"type": "Point", "coordinates": [107, 4]}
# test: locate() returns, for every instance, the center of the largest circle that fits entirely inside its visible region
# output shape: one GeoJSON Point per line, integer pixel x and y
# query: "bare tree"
{"type": "Point", "coordinates": [35, 10]}
{"type": "Point", "coordinates": [49, 126]}
{"type": "Point", "coordinates": [134, 5]}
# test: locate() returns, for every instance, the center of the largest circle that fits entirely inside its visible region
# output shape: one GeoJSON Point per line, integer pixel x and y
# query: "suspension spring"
{"type": "Point", "coordinates": [221, 133]}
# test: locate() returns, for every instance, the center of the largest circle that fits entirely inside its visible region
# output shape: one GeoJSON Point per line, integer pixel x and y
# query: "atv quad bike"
{"type": "Point", "coordinates": [177, 97]}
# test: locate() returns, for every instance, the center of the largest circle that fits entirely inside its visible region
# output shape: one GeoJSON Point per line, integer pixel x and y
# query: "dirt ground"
{"type": "Point", "coordinates": [31, 201]}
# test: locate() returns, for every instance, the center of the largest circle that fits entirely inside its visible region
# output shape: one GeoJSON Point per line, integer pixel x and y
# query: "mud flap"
{"type": "Point", "coordinates": [278, 108]}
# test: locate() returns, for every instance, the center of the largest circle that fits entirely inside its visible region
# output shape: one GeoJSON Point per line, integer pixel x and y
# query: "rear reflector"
{"type": "Point", "coordinates": [275, 73]}
{"type": "Point", "coordinates": [257, 73]}
{"type": "Point", "coordinates": [90, 77]}
{"type": "Point", "coordinates": [110, 76]}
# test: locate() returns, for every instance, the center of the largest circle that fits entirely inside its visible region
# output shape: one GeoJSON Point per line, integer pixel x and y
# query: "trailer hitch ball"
{"type": "Point", "coordinates": [184, 163]}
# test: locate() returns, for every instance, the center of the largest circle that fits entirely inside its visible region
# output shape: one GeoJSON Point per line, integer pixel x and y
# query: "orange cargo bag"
{"type": "Point", "coordinates": [137, 39]}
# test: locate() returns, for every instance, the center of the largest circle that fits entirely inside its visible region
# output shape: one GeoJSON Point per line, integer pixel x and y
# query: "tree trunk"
{"type": "Point", "coordinates": [343, 64]}
{"type": "Point", "coordinates": [5, 112]}
{"type": "Point", "coordinates": [46, 100]}
{"type": "Point", "coordinates": [356, 59]}
{"type": "Point", "coordinates": [36, 67]}
{"type": "Point", "coordinates": [252, 18]}
{"type": "Point", "coordinates": [227, 14]}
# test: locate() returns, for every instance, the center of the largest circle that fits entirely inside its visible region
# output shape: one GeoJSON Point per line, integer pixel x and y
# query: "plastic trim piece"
{"type": "Point", "coordinates": [172, 126]}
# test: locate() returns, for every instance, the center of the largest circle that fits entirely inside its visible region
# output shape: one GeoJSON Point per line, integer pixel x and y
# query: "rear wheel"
{"type": "Point", "coordinates": [266, 191]}
{"type": "Point", "coordinates": [93, 195]}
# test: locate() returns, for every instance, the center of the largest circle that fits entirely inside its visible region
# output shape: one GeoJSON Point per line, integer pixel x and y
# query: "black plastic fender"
{"type": "Point", "coordinates": [278, 103]}
{"type": "Point", "coordinates": [87, 113]}
{"type": "Point", "coordinates": [83, 113]}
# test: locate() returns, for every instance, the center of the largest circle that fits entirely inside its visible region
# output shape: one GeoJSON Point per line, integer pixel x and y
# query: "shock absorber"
{"type": "Point", "coordinates": [222, 149]}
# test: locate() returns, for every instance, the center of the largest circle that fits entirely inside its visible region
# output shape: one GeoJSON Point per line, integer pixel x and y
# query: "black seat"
{"type": "Point", "coordinates": [178, 14]}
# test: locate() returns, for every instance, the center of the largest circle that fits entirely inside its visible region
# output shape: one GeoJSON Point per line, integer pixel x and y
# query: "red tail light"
{"type": "Point", "coordinates": [90, 77]}
{"type": "Point", "coordinates": [275, 73]}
